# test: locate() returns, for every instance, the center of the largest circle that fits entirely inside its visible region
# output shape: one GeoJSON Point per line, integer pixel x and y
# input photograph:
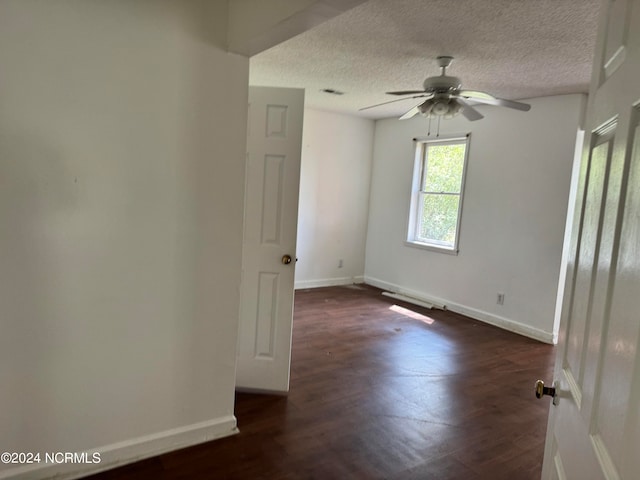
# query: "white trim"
{"type": "Point", "coordinates": [574, 388]}
{"type": "Point", "coordinates": [505, 323]}
{"type": "Point", "coordinates": [606, 462]}
{"type": "Point", "coordinates": [415, 301]}
{"type": "Point", "coordinates": [566, 244]}
{"type": "Point", "coordinates": [328, 282]}
{"type": "Point", "coordinates": [376, 282]}
{"type": "Point", "coordinates": [486, 317]}
{"type": "Point", "coordinates": [443, 138]}
{"type": "Point", "coordinates": [128, 451]}
{"type": "Point", "coordinates": [431, 246]}
{"type": "Point", "coordinates": [557, 461]}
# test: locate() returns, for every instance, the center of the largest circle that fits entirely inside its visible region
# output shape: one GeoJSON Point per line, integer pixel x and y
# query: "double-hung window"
{"type": "Point", "coordinates": [438, 184]}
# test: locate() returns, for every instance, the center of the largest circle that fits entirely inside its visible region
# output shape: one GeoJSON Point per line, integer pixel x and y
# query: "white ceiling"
{"type": "Point", "coordinates": [513, 49]}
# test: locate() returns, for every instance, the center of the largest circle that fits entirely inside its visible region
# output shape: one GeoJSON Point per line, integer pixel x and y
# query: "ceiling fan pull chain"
{"type": "Point", "coordinates": [438, 132]}
{"type": "Point", "coordinates": [429, 129]}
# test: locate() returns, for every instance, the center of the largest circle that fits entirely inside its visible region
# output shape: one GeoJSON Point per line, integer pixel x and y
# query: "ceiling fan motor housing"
{"type": "Point", "coordinates": [442, 84]}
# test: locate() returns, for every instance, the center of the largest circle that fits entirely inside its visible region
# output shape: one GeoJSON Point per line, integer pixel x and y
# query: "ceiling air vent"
{"type": "Point", "coordinates": [332, 91]}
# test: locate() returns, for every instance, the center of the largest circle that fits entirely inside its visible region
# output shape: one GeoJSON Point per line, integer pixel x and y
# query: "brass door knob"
{"type": "Point", "coordinates": [541, 390]}
{"type": "Point", "coordinates": [286, 259]}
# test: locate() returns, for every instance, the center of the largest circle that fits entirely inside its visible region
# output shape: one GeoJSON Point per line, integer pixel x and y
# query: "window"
{"type": "Point", "coordinates": [436, 201]}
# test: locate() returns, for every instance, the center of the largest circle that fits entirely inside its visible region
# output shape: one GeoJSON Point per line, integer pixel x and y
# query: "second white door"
{"type": "Point", "coordinates": [269, 244]}
{"type": "Point", "coordinates": [594, 430]}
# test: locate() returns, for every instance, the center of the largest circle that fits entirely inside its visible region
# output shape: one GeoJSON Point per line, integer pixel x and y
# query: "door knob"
{"type": "Point", "coordinates": [541, 390]}
{"type": "Point", "coordinates": [286, 259]}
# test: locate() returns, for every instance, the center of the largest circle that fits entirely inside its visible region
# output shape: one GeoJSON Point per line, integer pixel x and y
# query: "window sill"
{"type": "Point", "coordinates": [432, 247]}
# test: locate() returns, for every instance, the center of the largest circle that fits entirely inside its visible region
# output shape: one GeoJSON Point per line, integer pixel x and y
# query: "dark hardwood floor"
{"type": "Point", "coordinates": [378, 391]}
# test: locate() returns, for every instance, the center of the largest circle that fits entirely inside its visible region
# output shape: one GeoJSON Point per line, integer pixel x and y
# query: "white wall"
{"type": "Point", "coordinates": [122, 139]}
{"type": "Point", "coordinates": [513, 218]}
{"type": "Point", "coordinates": [256, 25]}
{"type": "Point", "coordinates": [334, 198]}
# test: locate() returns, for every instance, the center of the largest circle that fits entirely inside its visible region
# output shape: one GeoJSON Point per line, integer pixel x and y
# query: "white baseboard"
{"type": "Point", "coordinates": [129, 451]}
{"type": "Point", "coordinates": [504, 323]}
{"type": "Point", "coordinates": [414, 300]}
{"type": "Point", "coordinates": [376, 282]}
{"type": "Point", "coordinates": [328, 282]}
{"type": "Point", "coordinates": [486, 317]}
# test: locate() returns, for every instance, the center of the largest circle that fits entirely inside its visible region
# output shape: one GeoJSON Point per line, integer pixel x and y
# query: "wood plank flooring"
{"type": "Point", "coordinates": [380, 390]}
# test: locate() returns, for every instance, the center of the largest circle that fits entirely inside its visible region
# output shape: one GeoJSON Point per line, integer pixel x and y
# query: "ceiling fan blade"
{"type": "Point", "coordinates": [392, 101]}
{"type": "Point", "coordinates": [500, 102]}
{"type": "Point", "coordinates": [411, 113]}
{"type": "Point", "coordinates": [469, 112]}
{"type": "Point", "coordinates": [406, 92]}
{"type": "Point", "coordinates": [475, 94]}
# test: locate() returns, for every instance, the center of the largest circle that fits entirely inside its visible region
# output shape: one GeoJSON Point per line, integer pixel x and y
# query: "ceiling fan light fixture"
{"type": "Point", "coordinates": [440, 107]}
{"type": "Point", "coordinates": [454, 109]}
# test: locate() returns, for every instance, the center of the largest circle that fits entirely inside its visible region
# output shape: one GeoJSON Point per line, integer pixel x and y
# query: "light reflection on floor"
{"type": "Point", "coordinates": [418, 357]}
{"type": "Point", "coordinates": [411, 314]}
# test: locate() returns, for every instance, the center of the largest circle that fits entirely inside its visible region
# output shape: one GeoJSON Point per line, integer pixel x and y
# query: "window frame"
{"type": "Point", "coordinates": [421, 146]}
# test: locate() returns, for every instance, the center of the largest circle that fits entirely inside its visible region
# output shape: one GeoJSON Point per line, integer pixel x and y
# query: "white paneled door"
{"type": "Point", "coordinates": [594, 430]}
{"type": "Point", "coordinates": [269, 245]}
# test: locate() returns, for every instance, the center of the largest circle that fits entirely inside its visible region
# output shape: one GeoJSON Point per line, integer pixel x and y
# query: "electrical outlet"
{"type": "Point", "coordinates": [340, 263]}
{"type": "Point", "coordinates": [500, 300]}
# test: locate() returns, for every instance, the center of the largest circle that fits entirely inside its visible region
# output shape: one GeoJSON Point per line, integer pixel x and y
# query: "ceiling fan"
{"type": "Point", "coordinates": [443, 97]}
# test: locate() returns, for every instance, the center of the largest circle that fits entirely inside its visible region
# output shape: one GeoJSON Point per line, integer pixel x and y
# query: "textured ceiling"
{"type": "Point", "coordinates": [513, 49]}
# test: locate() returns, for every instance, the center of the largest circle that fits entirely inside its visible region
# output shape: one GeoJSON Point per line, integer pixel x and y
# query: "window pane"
{"type": "Point", "coordinates": [439, 218]}
{"type": "Point", "coordinates": [444, 165]}
{"type": "Point", "coordinates": [438, 175]}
